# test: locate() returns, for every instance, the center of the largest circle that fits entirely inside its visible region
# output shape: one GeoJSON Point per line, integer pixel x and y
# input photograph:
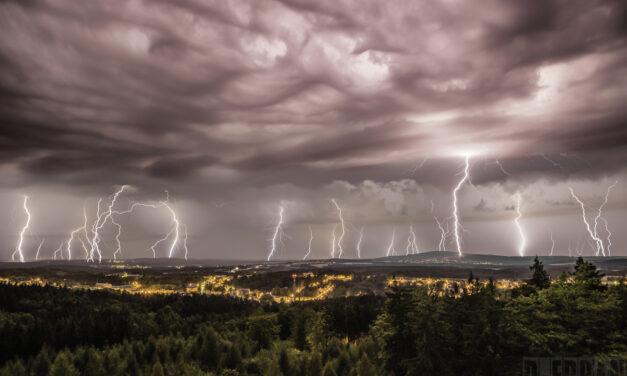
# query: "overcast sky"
{"type": "Point", "coordinates": [240, 107]}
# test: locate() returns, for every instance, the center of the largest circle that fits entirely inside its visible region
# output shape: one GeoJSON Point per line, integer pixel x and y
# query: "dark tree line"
{"type": "Point", "coordinates": [471, 329]}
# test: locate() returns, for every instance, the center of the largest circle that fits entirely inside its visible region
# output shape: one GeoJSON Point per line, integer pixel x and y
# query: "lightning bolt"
{"type": "Point", "coordinates": [552, 244]}
{"type": "Point", "coordinates": [117, 239]}
{"type": "Point", "coordinates": [39, 249]}
{"type": "Point", "coordinates": [412, 245]}
{"type": "Point", "coordinates": [309, 245]}
{"type": "Point", "coordinates": [333, 242]}
{"type": "Point", "coordinates": [18, 250]}
{"type": "Point", "coordinates": [599, 217]}
{"type": "Point", "coordinates": [609, 237]}
{"type": "Point", "coordinates": [277, 231]}
{"type": "Point", "coordinates": [358, 246]}
{"type": "Point", "coordinates": [339, 240]}
{"type": "Point", "coordinates": [76, 232]}
{"type": "Point", "coordinates": [443, 235]}
{"type": "Point", "coordinates": [101, 220]}
{"type": "Point", "coordinates": [498, 163]}
{"type": "Point", "coordinates": [175, 226]}
{"type": "Point", "coordinates": [391, 249]}
{"type": "Point", "coordinates": [521, 234]}
{"type": "Point", "coordinates": [551, 161]}
{"type": "Point", "coordinates": [155, 244]}
{"type": "Point", "coordinates": [599, 243]}
{"type": "Point", "coordinates": [455, 209]}
{"type": "Point", "coordinates": [58, 251]}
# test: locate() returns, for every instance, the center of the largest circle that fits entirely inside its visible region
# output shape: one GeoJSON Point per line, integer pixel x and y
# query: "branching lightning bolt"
{"type": "Point", "coordinates": [521, 234]}
{"type": "Point", "coordinates": [309, 244]}
{"type": "Point", "coordinates": [58, 251]}
{"type": "Point", "coordinates": [176, 226]}
{"type": "Point", "coordinates": [341, 237]}
{"type": "Point", "coordinates": [76, 232]}
{"type": "Point", "coordinates": [599, 243]}
{"type": "Point", "coordinates": [443, 235]}
{"type": "Point", "coordinates": [456, 225]}
{"type": "Point", "coordinates": [599, 217]}
{"type": "Point", "coordinates": [391, 249]}
{"type": "Point", "coordinates": [101, 220]}
{"type": "Point", "coordinates": [277, 231]}
{"type": "Point", "coordinates": [18, 250]}
{"type": "Point", "coordinates": [412, 245]}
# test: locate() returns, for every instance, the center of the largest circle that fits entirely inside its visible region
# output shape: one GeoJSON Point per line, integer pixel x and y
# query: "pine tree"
{"type": "Point", "coordinates": [587, 275]}
{"type": "Point", "coordinates": [540, 278]}
{"type": "Point", "coordinates": [62, 366]}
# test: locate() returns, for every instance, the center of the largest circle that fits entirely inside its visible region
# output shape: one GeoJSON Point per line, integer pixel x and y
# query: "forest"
{"type": "Point", "coordinates": [470, 329]}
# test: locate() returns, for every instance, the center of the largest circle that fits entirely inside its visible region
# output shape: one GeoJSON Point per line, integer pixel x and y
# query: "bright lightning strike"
{"type": "Point", "coordinates": [309, 245]}
{"type": "Point", "coordinates": [58, 252]}
{"type": "Point", "coordinates": [76, 232]}
{"type": "Point", "coordinates": [39, 249]}
{"type": "Point", "coordinates": [358, 246]}
{"type": "Point", "coordinates": [176, 227]}
{"type": "Point", "coordinates": [391, 249]}
{"type": "Point", "coordinates": [341, 237]}
{"type": "Point", "coordinates": [333, 242]}
{"type": "Point", "coordinates": [521, 234]}
{"type": "Point", "coordinates": [443, 235]}
{"type": "Point", "coordinates": [412, 245]}
{"type": "Point", "coordinates": [599, 243]}
{"type": "Point", "coordinates": [101, 220]}
{"type": "Point", "coordinates": [599, 217]}
{"type": "Point", "coordinates": [277, 231]}
{"type": "Point", "coordinates": [18, 250]}
{"type": "Point", "coordinates": [456, 225]}
{"type": "Point", "coordinates": [552, 244]}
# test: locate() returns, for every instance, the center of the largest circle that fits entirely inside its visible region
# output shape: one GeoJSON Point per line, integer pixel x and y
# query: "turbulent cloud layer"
{"type": "Point", "coordinates": [236, 105]}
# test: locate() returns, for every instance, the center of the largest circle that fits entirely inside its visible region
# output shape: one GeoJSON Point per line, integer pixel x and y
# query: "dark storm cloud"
{"type": "Point", "coordinates": [313, 91]}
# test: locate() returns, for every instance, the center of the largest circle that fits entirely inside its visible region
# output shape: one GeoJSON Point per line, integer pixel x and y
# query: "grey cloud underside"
{"type": "Point", "coordinates": [303, 92]}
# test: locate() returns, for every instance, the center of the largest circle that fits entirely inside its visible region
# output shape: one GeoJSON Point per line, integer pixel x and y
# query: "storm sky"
{"type": "Point", "coordinates": [239, 107]}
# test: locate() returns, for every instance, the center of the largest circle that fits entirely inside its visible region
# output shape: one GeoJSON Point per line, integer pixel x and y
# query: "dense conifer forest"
{"type": "Point", "coordinates": [471, 329]}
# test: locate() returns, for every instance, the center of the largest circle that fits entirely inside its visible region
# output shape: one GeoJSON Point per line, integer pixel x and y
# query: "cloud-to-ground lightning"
{"type": "Point", "coordinates": [599, 243]}
{"type": "Point", "coordinates": [523, 240]}
{"type": "Point", "coordinates": [19, 249]}
{"type": "Point", "coordinates": [76, 232]}
{"type": "Point", "coordinates": [333, 241]}
{"type": "Point", "coordinates": [443, 234]}
{"type": "Point", "coordinates": [552, 244]}
{"type": "Point", "coordinates": [599, 216]}
{"type": "Point", "coordinates": [341, 237]}
{"type": "Point", "coordinates": [99, 223]}
{"type": "Point", "coordinates": [412, 244]}
{"type": "Point", "coordinates": [309, 244]}
{"type": "Point", "coordinates": [176, 226]}
{"type": "Point", "coordinates": [275, 235]}
{"type": "Point", "coordinates": [391, 249]}
{"type": "Point", "coordinates": [39, 249]}
{"type": "Point", "coordinates": [456, 224]}
{"type": "Point", "coordinates": [58, 252]}
{"type": "Point", "coordinates": [359, 240]}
